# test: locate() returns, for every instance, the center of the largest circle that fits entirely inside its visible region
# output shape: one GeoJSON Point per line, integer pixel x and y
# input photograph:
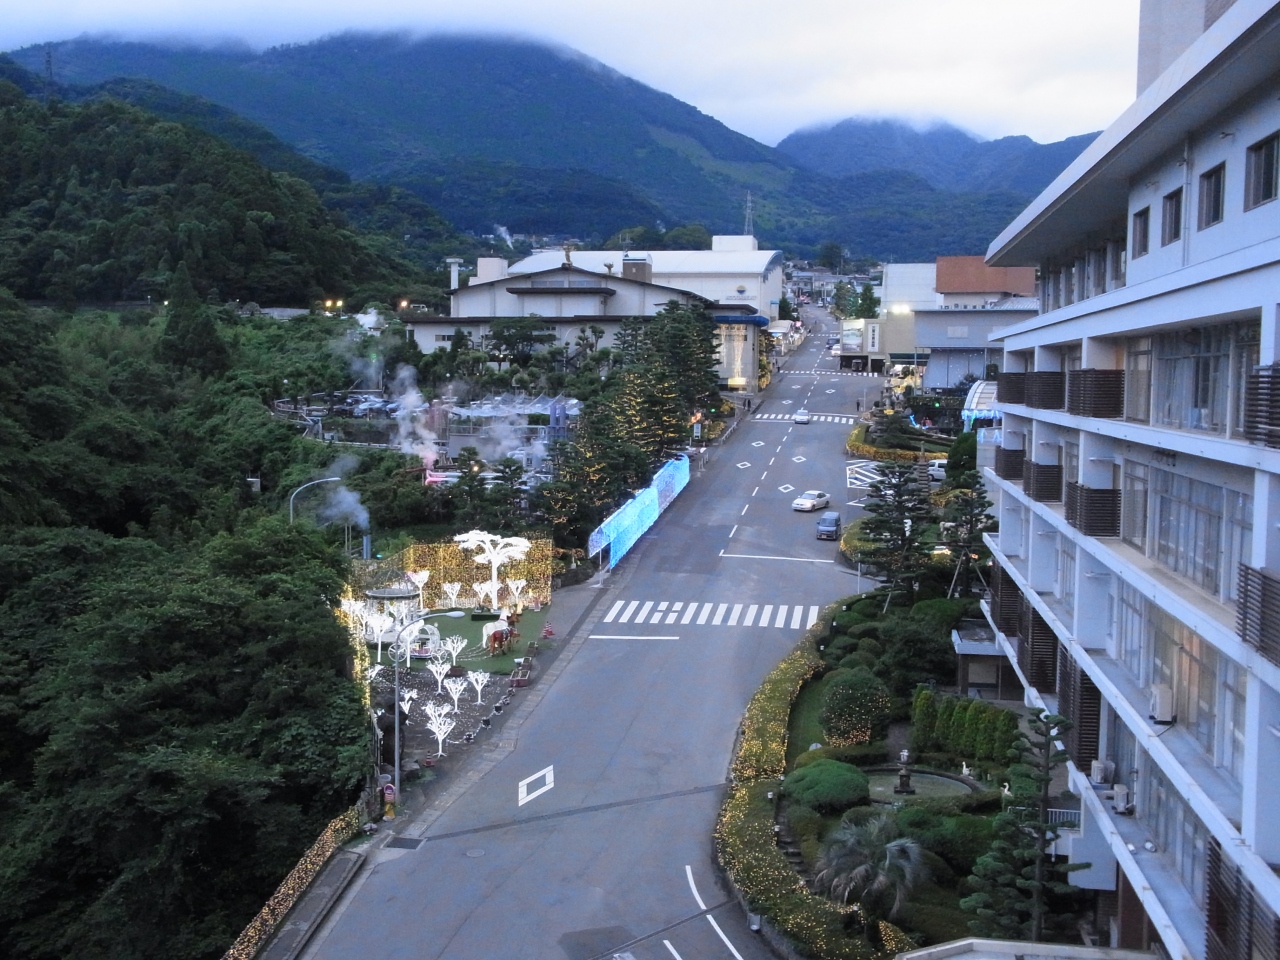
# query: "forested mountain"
{"type": "Point", "coordinates": [946, 156]}
{"type": "Point", "coordinates": [541, 139]}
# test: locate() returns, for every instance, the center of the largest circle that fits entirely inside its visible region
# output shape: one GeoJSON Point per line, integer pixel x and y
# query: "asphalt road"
{"type": "Point", "coordinates": [592, 838]}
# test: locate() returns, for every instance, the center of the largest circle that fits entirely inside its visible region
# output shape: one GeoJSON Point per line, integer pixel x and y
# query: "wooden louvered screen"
{"type": "Point", "coordinates": [1009, 463]}
{"type": "Point", "coordinates": [1258, 612]}
{"type": "Point", "coordinates": [1241, 926]}
{"type": "Point", "coordinates": [1038, 651]}
{"type": "Point", "coordinates": [1042, 481]}
{"type": "Point", "coordinates": [1092, 511]}
{"type": "Point", "coordinates": [1046, 390]}
{"type": "Point", "coordinates": [1006, 602]}
{"type": "Point", "coordinates": [1262, 406]}
{"type": "Point", "coordinates": [1081, 703]}
{"type": "Point", "coordinates": [1096, 393]}
{"type": "Point", "coordinates": [1011, 388]}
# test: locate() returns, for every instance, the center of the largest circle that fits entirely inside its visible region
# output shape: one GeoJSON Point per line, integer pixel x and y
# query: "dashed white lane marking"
{"type": "Point", "coordinates": [524, 794]}
{"type": "Point", "coordinates": [745, 505]}
{"type": "Point", "coordinates": [688, 871]}
{"type": "Point", "coordinates": [731, 533]}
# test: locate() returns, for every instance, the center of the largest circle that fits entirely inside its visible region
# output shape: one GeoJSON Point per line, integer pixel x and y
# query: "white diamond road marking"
{"type": "Point", "coordinates": [524, 795]}
{"type": "Point", "coordinates": [743, 465]}
{"type": "Point", "coordinates": [830, 391]}
{"type": "Point", "coordinates": [758, 443]}
{"type": "Point", "coordinates": [786, 401]}
{"type": "Point", "coordinates": [799, 459]}
{"type": "Point", "coordinates": [796, 386]}
{"type": "Point", "coordinates": [786, 488]}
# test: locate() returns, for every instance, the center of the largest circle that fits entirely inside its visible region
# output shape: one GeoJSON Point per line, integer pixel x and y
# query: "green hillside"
{"type": "Point", "coordinates": [541, 139]}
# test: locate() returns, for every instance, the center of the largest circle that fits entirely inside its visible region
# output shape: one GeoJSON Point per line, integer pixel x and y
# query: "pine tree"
{"type": "Point", "coordinates": [1013, 882]}
{"type": "Point", "coordinates": [942, 724]}
{"type": "Point", "coordinates": [867, 306]}
{"type": "Point", "coordinates": [897, 509]}
{"type": "Point", "coordinates": [966, 512]}
{"type": "Point", "coordinates": [924, 718]}
{"type": "Point", "coordinates": [190, 333]}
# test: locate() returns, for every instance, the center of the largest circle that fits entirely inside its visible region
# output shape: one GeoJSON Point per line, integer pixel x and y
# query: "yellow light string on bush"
{"type": "Point", "coordinates": [260, 928]}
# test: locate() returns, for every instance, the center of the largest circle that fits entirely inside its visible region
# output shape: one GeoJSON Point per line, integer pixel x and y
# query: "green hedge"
{"type": "Point", "coordinates": [827, 786]}
{"type": "Point", "coordinates": [860, 755]}
{"type": "Point", "coordinates": [745, 843]}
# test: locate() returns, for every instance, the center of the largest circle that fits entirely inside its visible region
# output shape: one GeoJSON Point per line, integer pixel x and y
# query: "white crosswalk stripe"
{"type": "Point", "coordinates": [817, 418]}
{"type": "Point", "coordinates": [713, 614]}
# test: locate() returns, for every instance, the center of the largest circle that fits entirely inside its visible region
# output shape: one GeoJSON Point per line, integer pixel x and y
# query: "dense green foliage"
{"type": "Point", "coordinates": [176, 718]}
{"type": "Point", "coordinates": [870, 863]}
{"type": "Point", "coordinates": [897, 509]}
{"type": "Point", "coordinates": [827, 786]}
{"type": "Point", "coordinates": [855, 707]}
{"type": "Point", "coordinates": [543, 140]}
{"type": "Point", "coordinates": [1019, 890]}
{"type": "Point", "coordinates": [101, 201]}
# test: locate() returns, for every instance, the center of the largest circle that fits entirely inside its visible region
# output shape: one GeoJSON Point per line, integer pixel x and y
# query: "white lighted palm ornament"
{"type": "Point", "coordinates": [496, 551]}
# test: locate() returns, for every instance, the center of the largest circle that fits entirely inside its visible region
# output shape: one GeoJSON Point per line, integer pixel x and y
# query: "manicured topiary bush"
{"type": "Point", "coordinates": [860, 755]}
{"type": "Point", "coordinates": [828, 786]}
{"type": "Point", "coordinates": [924, 717]}
{"type": "Point", "coordinates": [855, 707]}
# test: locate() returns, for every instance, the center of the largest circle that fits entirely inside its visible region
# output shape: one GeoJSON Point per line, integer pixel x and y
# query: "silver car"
{"type": "Point", "coordinates": [811, 500]}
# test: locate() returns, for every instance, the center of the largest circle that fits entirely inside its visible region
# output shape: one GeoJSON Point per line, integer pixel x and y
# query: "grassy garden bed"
{"type": "Point", "coordinates": [475, 657]}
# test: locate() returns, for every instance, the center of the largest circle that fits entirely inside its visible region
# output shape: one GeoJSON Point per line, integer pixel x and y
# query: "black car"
{"type": "Point", "coordinates": [832, 341]}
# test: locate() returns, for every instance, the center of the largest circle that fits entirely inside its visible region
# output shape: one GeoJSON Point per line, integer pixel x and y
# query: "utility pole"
{"type": "Point", "coordinates": [749, 223]}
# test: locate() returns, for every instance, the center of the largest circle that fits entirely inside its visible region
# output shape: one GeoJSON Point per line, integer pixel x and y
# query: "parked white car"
{"type": "Point", "coordinates": [937, 469]}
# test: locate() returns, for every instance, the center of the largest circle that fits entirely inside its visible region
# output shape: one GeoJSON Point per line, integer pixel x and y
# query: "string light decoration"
{"type": "Point", "coordinates": [746, 845]}
{"type": "Point", "coordinates": [260, 929]}
{"type": "Point", "coordinates": [450, 566]}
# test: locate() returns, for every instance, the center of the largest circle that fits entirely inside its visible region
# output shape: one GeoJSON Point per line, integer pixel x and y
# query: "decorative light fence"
{"type": "Point", "coordinates": [449, 563]}
{"type": "Point", "coordinates": [626, 525]}
{"type": "Point", "coordinates": [255, 936]}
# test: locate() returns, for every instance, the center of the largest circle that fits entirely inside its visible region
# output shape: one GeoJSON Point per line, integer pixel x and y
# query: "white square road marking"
{"type": "Point", "coordinates": [524, 794]}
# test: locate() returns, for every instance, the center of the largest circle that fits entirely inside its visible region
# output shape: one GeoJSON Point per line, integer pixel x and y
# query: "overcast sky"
{"type": "Point", "coordinates": [1045, 68]}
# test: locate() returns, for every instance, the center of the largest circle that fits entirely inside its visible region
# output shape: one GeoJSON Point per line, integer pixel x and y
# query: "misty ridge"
{"type": "Point", "coordinates": [544, 140]}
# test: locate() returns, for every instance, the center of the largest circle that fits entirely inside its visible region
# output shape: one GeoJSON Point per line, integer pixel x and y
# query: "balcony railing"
{"type": "Point", "coordinates": [1241, 923]}
{"type": "Point", "coordinates": [1046, 390]}
{"type": "Point", "coordinates": [1080, 701]}
{"type": "Point", "coordinates": [1093, 511]}
{"type": "Point", "coordinates": [1258, 612]}
{"type": "Point", "coordinates": [1038, 651]}
{"type": "Point", "coordinates": [1042, 481]}
{"type": "Point", "coordinates": [1009, 463]}
{"type": "Point", "coordinates": [1095, 393]}
{"type": "Point", "coordinates": [1006, 602]}
{"type": "Point", "coordinates": [1011, 388]}
{"type": "Point", "coordinates": [1262, 406]}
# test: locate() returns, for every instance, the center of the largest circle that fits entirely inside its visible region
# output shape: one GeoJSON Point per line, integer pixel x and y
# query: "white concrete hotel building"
{"type": "Point", "coordinates": [1137, 588]}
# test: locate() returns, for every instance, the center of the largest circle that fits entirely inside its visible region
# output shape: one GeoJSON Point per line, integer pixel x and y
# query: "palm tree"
{"type": "Point", "coordinates": [871, 864]}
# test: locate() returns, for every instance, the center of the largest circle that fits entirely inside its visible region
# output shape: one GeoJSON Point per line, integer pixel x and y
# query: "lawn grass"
{"type": "Point", "coordinates": [803, 729]}
{"type": "Point", "coordinates": [474, 657]}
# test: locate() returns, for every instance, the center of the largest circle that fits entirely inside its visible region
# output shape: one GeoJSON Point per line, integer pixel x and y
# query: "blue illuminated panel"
{"type": "Point", "coordinates": [627, 524]}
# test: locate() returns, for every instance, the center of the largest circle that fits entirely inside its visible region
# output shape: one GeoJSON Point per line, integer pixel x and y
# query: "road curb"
{"type": "Point", "coordinates": [295, 931]}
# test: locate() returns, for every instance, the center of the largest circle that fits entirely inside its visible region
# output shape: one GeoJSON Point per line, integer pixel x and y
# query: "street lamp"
{"type": "Point", "coordinates": [303, 487]}
{"type": "Point", "coordinates": [400, 651]}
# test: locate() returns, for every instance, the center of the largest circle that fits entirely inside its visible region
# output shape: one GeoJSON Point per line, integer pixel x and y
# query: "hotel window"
{"type": "Point", "coordinates": [1133, 505]}
{"type": "Point", "coordinates": [1238, 541]}
{"type": "Point", "coordinates": [1188, 527]}
{"type": "Point", "coordinates": [1178, 833]}
{"type": "Point", "coordinates": [1067, 574]}
{"type": "Point", "coordinates": [1212, 185]}
{"type": "Point", "coordinates": [1191, 378]}
{"type": "Point", "coordinates": [1189, 665]}
{"type": "Point", "coordinates": [1070, 465]}
{"type": "Point", "coordinates": [1260, 172]}
{"type": "Point", "coordinates": [1141, 232]}
{"type": "Point", "coordinates": [1137, 380]}
{"type": "Point", "coordinates": [1131, 624]}
{"type": "Point", "coordinates": [1244, 362]}
{"type": "Point", "coordinates": [1231, 751]}
{"type": "Point", "coordinates": [1171, 218]}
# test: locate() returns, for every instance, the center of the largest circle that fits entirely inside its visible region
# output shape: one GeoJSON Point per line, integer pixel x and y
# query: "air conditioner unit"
{"type": "Point", "coordinates": [1120, 798]}
{"type": "Point", "coordinates": [1100, 772]}
{"type": "Point", "coordinates": [1162, 703]}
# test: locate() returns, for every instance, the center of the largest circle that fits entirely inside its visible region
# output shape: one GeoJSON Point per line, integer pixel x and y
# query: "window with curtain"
{"type": "Point", "coordinates": [1231, 748]}
{"type": "Point", "coordinates": [1237, 547]}
{"type": "Point", "coordinates": [1137, 380]}
{"type": "Point", "coordinates": [1188, 527]}
{"type": "Point", "coordinates": [1133, 505]}
{"type": "Point", "coordinates": [1130, 630]}
{"type": "Point", "coordinates": [1191, 377]}
{"type": "Point", "coordinates": [1178, 833]}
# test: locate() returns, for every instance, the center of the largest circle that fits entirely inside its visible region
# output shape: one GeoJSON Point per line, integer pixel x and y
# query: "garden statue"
{"type": "Point", "coordinates": [904, 774]}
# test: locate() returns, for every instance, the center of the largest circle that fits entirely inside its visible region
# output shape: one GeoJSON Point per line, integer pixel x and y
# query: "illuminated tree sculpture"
{"type": "Point", "coordinates": [451, 593]}
{"type": "Point", "coordinates": [487, 589]}
{"type": "Point", "coordinates": [494, 550]}
{"type": "Point", "coordinates": [419, 579]}
{"type": "Point", "coordinates": [514, 587]}
{"type": "Point", "coordinates": [478, 680]}
{"type": "Point", "coordinates": [455, 645]}
{"type": "Point", "coordinates": [438, 667]}
{"type": "Point", "coordinates": [441, 727]}
{"type": "Point", "coordinates": [455, 686]}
